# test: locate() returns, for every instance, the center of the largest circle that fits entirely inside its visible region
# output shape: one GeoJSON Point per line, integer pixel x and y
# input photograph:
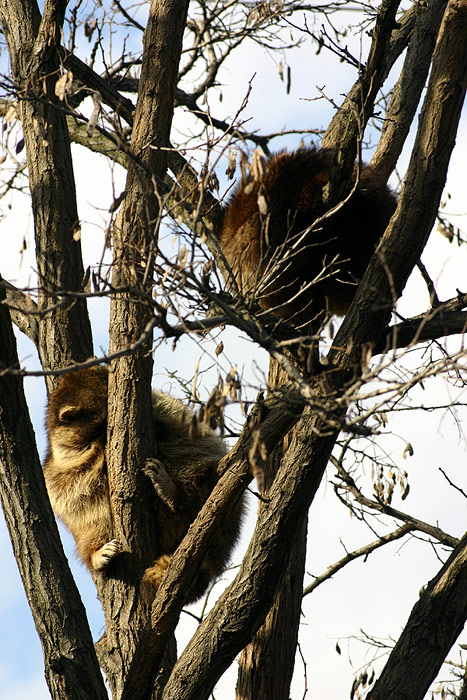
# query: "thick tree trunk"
{"type": "Point", "coordinates": [71, 667]}
{"type": "Point", "coordinates": [434, 624]}
{"type": "Point", "coordinates": [33, 45]}
{"type": "Point", "coordinates": [266, 664]}
{"type": "Point", "coordinates": [131, 318]}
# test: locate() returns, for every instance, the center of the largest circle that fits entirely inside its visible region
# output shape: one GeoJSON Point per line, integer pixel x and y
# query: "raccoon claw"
{"type": "Point", "coordinates": [163, 484]}
{"type": "Point", "coordinates": [103, 556]}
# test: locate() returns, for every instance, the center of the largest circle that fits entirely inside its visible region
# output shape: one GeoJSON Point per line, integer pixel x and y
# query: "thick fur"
{"type": "Point", "coordinates": [183, 476]}
{"type": "Point", "coordinates": [300, 277]}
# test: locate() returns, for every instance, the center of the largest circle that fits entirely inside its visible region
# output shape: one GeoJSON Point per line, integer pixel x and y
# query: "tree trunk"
{"type": "Point", "coordinates": [131, 322]}
{"type": "Point", "coordinates": [71, 667]}
{"type": "Point", "coordinates": [266, 665]}
{"type": "Point", "coordinates": [33, 45]}
{"type": "Point", "coordinates": [434, 624]}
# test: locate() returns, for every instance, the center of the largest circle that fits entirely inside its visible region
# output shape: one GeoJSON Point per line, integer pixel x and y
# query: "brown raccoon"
{"type": "Point", "coordinates": [184, 475]}
{"type": "Point", "coordinates": [302, 276]}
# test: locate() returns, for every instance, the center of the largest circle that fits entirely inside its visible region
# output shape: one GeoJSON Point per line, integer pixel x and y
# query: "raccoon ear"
{"type": "Point", "coordinates": [68, 414]}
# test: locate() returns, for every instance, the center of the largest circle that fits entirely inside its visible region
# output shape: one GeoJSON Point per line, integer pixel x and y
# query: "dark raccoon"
{"type": "Point", "coordinates": [302, 276]}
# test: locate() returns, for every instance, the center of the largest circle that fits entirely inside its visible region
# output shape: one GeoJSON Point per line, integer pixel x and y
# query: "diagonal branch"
{"type": "Point", "coordinates": [408, 231]}
{"type": "Point", "coordinates": [22, 311]}
{"type": "Point", "coordinates": [356, 554]}
{"type": "Point", "coordinates": [433, 626]}
{"type": "Point", "coordinates": [272, 420]}
{"type": "Point", "coordinates": [408, 89]}
{"type": "Point", "coordinates": [71, 667]}
{"type": "Point", "coordinates": [384, 508]}
{"type": "Point", "coordinates": [243, 607]}
{"type": "Point", "coordinates": [348, 126]}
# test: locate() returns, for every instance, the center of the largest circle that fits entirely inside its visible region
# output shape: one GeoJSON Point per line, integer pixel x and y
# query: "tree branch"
{"type": "Point", "coordinates": [361, 552]}
{"type": "Point", "coordinates": [411, 224]}
{"type": "Point", "coordinates": [22, 311]}
{"type": "Point", "coordinates": [71, 667]}
{"type": "Point", "coordinates": [230, 624]}
{"type": "Point", "coordinates": [65, 334]}
{"type": "Point", "coordinates": [384, 508]}
{"type": "Point", "coordinates": [433, 626]}
{"type": "Point", "coordinates": [130, 421]}
{"type": "Point", "coordinates": [272, 419]}
{"type": "Point", "coordinates": [348, 126]}
{"type": "Point", "coordinates": [408, 89]}
{"type": "Point", "coordinates": [429, 326]}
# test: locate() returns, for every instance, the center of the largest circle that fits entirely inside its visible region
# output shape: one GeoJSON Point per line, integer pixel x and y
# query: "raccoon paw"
{"type": "Point", "coordinates": [163, 484]}
{"type": "Point", "coordinates": [152, 578]}
{"type": "Point", "coordinates": [103, 556]}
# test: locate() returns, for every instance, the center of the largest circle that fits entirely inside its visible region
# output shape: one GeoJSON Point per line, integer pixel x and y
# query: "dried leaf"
{"type": "Point", "coordinates": [63, 85]}
{"type": "Point", "coordinates": [213, 182]}
{"type": "Point", "coordinates": [92, 123]}
{"type": "Point", "coordinates": [11, 114]}
{"type": "Point", "coordinates": [85, 280]}
{"type": "Point", "coordinates": [182, 256]}
{"type": "Point", "coordinates": [405, 492]}
{"type": "Point", "coordinates": [408, 451]}
{"type": "Point", "coordinates": [258, 165]}
{"type": "Point", "coordinates": [262, 205]}
{"type": "Point", "coordinates": [232, 163]}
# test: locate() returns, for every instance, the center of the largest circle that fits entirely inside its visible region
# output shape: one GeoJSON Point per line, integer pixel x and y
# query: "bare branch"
{"type": "Point", "coordinates": [361, 552]}
{"type": "Point", "coordinates": [411, 224]}
{"type": "Point", "coordinates": [433, 626]}
{"type": "Point", "coordinates": [409, 87]}
{"type": "Point", "coordinates": [22, 309]}
{"type": "Point", "coordinates": [71, 666]}
{"type": "Point", "coordinates": [380, 507]}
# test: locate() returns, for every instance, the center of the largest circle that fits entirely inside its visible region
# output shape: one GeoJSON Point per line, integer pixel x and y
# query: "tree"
{"type": "Point", "coordinates": [313, 414]}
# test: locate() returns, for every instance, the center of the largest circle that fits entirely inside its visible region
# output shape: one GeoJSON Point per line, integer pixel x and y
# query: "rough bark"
{"type": "Point", "coordinates": [71, 667]}
{"type": "Point", "coordinates": [412, 222]}
{"type": "Point", "coordinates": [408, 89]}
{"type": "Point", "coordinates": [346, 129]}
{"type": "Point", "coordinates": [243, 607]}
{"type": "Point", "coordinates": [272, 419]}
{"type": "Point", "coordinates": [130, 425]}
{"type": "Point", "coordinates": [434, 624]}
{"type": "Point", "coordinates": [64, 331]}
{"type": "Point", "coordinates": [266, 664]}
{"type": "Point", "coordinates": [202, 662]}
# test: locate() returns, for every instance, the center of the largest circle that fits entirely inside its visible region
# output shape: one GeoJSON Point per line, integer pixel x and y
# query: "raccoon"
{"type": "Point", "coordinates": [301, 275]}
{"type": "Point", "coordinates": [183, 475]}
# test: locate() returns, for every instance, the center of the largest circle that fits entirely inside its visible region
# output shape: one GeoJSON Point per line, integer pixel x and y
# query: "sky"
{"type": "Point", "coordinates": [372, 597]}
